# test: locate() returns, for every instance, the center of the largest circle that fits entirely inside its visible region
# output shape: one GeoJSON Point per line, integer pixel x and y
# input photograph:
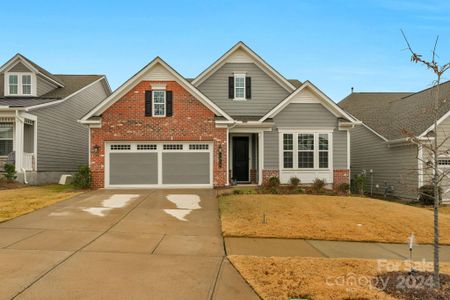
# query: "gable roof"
{"type": "Point", "coordinates": [33, 66]}
{"type": "Point", "coordinates": [258, 60]}
{"type": "Point", "coordinates": [125, 87]}
{"type": "Point", "coordinates": [389, 113]}
{"type": "Point", "coordinates": [324, 99]}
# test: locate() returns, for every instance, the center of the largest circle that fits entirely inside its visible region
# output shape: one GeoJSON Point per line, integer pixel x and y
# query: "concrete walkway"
{"type": "Point", "coordinates": [333, 249]}
{"type": "Point", "coordinates": [118, 244]}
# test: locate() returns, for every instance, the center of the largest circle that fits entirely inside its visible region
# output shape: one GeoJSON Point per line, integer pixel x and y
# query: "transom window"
{"type": "Point", "coordinates": [172, 147]}
{"type": "Point", "coordinates": [146, 147]}
{"type": "Point", "coordinates": [159, 103]}
{"type": "Point", "coordinates": [239, 86]}
{"type": "Point", "coordinates": [444, 162]}
{"type": "Point", "coordinates": [198, 147]}
{"type": "Point", "coordinates": [121, 147]}
{"type": "Point", "coordinates": [19, 84]}
{"type": "Point", "coordinates": [310, 151]}
{"type": "Point", "coordinates": [6, 138]}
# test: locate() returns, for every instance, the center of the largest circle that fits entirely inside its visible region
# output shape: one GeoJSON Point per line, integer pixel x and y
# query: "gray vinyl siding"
{"type": "Point", "coordinates": [443, 134]}
{"type": "Point", "coordinates": [62, 141]}
{"type": "Point", "coordinates": [28, 138]}
{"type": "Point", "coordinates": [185, 168]}
{"type": "Point", "coordinates": [133, 168]}
{"type": "Point", "coordinates": [43, 86]}
{"type": "Point", "coordinates": [266, 92]}
{"type": "Point", "coordinates": [2, 84]}
{"type": "Point", "coordinates": [396, 166]}
{"type": "Point", "coordinates": [305, 116]}
{"type": "Point", "coordinates": [19, 67]}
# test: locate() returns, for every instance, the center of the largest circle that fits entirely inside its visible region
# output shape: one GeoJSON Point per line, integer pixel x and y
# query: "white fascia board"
{"type": "Point", "coordinates": [423, 134]}
{"type": "Point", "coordinates": [327, 102]}
{"type": "Point", "coordinates": [274, 74]}
{"type": "Point", "coordinates": [124, 88]}
{"type": "Point", "coordinates": [66, 98]}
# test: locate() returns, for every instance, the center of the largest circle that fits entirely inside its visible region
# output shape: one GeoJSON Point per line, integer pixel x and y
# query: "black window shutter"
{"type": "Point", "coordinates": [148, 103]}
{"type": "Point", "coordinates": [248, 87]}
{"type": "Point", "coordinates": [169, 103]}
{"type": "Point", "coordinates": [230, 87]}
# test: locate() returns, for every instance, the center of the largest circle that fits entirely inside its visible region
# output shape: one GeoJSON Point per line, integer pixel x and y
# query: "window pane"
{"type": "Point", "coordinates": [323, 141]}
{"type": "Point", "coordinates": [288, 161]}
{"type": "Point", "coordinates": [239, 81]}
{"type": "Point", "coordinates": [26, 79]}
{"type": "Point", "coordinates": [239, 93]}
{"type": "Point", "coordinates": [13, 79]}
{"type": "Point", "coordinates": [306, 159]}
{"type": "Point", "coordinates": [288, 143]}
{"type": "Point", "coordinates": [26, 89]}
{"type": "Point", "coordinates": [158, 96]}
{"type": "Point", "coordinates": [323, 159]}
{"type": "Point", "coordinates": [6, 130]}
{"type": "Point", "coordinates": [6, 147]}
{"type": "Point", "coordinates": [159, 109]}
{"type": "Point", "coordinates": [306, 142]}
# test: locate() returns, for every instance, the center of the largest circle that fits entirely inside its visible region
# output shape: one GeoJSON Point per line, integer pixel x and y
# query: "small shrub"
{"type": "Point", "coordinates": [426, 194]}
{"type": "Point", "coordinates": [10, 172]}
{"type": "Point", "coordinates": [274, 190]}
{"type": "Point", "coordinates": [237, 192]}
{"type": "Point", "coordinates": [274, 182]}
{"type": "Point", "coordinates": [83, 178]}
{"type": "Point", "coordinates": [294, 182]}
{"type": "Point", "coordinates": [318, 185]}
{"type": "Point", "coordinates": [343, 188]}
{"type": "Point", "coordinates": [358, 184]}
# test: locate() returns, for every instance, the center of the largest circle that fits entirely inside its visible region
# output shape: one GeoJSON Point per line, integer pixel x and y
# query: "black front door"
{"type": "Point", "coordinates": [240, 158]}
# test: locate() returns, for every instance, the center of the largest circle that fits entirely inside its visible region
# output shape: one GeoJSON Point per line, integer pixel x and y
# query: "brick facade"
{"type": "Point", "coordinates": [125, 120]}
{"type": "Point", "coordinates": [266, 174]}
{"type": "Point", "coordinates": [341, 176]}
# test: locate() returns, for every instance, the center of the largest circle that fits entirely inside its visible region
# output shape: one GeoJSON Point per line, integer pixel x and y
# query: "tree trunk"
{"type": "Point", "coordinates": [436, 192]}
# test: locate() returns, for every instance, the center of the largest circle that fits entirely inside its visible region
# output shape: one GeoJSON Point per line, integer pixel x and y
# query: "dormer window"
{"type": "Point", "coordinates": [19, 84]}
{"type": "Point", "coordinates": [239, 86]}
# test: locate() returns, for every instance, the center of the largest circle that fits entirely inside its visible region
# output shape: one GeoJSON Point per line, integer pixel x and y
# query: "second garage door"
{"type": "Point", "coordinates": [173, 164]}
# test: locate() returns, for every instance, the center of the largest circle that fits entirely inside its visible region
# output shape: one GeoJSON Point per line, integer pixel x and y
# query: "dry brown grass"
{"type": "Point", "coordinates": [16, 202]}
{"type": "Point", "coordinates": [313, 278]}
{"type": "Point", "coordinates": [327, 218]}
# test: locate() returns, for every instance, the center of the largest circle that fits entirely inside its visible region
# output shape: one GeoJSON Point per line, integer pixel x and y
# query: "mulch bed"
{"type": "Point", "coordinates": [413, 286]}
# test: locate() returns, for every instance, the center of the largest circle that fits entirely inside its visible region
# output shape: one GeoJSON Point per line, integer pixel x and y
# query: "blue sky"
{"type": "Point", "coordinates": [335, 44]}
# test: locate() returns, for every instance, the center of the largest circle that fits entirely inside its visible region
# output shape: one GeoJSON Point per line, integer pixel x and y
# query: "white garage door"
{"type": "Point", "coordinates": [147, 164]}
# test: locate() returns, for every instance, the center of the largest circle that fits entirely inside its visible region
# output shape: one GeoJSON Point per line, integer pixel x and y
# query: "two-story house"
{"type": "Point", "coordinates": [39, 131]}
{"type": "Point", "coordinates": [238, 121]}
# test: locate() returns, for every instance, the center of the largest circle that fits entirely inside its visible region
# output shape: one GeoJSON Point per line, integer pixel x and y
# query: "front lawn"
{"type": "Point", "coordinates": [16, 202]}
{"type": "Point", "coordinates": [325, 278]}
{"type": "Point", "coordinates": [327, 218]}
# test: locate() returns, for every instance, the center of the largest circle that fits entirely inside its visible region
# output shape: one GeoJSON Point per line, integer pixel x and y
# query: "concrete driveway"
{"type": "Point", "coordinates": [120, 244]}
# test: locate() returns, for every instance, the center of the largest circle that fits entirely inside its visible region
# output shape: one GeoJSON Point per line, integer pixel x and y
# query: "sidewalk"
{"type": "Point", "coordinates": [332, 249]}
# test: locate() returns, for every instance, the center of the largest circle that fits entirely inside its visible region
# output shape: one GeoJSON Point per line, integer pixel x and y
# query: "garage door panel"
{"type": "Point", "coordinates": [186, 168]}
{"type": "Point", "coordinates": [133, 168]}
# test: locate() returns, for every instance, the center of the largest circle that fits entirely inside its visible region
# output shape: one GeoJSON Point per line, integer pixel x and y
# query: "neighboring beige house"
{"type": "Point", "coordinates": [39, 131]}
{"type": "Point", "coordinates": [381, 147]}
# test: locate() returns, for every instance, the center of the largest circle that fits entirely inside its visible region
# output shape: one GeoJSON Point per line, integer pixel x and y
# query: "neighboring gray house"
{"type": "Point", "coordinates": [38, 119]}
{"type": "Point", "coordinates": [381, 147]}
{"type": "Point", "coordinates": [239, 121]}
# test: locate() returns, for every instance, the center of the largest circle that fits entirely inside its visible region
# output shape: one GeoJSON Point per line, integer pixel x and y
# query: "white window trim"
{"type": "Point", "coordinates": [9, 139]}
{"type": "Point", "coordinates": [239, 75]}
{"type": "Point", "coordinates": [164, 103]}
{"type": "Point", "coordinates": [316, 150]}
{"type": "Point", "coordinates": [19, 84]}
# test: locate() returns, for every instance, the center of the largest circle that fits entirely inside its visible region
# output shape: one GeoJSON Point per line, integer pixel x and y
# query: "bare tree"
{"type": "Point", "coordinates": [431, 144]}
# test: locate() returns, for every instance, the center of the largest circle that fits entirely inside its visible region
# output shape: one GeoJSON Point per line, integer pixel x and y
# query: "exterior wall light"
{"type": "Point", "coordinates": [219, 154]}
{"type": "Point", "coordinates": [96, 149]}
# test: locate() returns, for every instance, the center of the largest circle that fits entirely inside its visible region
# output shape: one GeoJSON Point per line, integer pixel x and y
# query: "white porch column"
{"type": "Point", "coordinates": [18, 142]}
{"type": "Point", "coordinates": [260, 156]}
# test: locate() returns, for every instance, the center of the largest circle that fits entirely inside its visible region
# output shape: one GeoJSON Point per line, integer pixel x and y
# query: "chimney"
{"type": "Point", "coordinates": [351, 89]}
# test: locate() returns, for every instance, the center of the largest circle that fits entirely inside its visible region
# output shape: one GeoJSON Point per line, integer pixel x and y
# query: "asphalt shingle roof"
{"type": "Point", "coordinates": [389, 114]}
{"type": "Point", "coordinates": [72, 83]}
